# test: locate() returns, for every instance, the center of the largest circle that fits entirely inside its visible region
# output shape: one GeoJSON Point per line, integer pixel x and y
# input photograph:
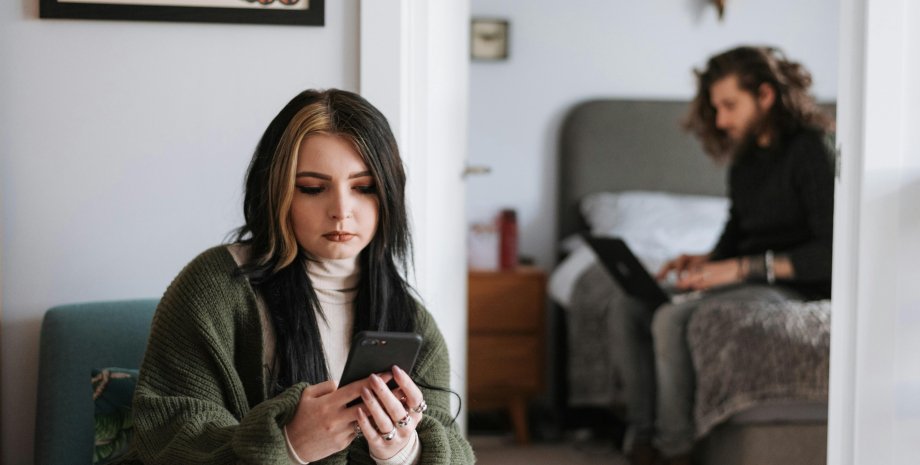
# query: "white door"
{"type": "Point", "coordinates": [415, 68]}
{"type": "Point", "coordinates": [874, 415]}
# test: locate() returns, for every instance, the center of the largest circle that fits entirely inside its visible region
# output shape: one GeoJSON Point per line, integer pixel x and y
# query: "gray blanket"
{"type": "Point", "coordinates": [593, 374]}
{"type": "Point", "coordinates": [747, 355]}
{"type": "Point", "coordinates": [744, 356]}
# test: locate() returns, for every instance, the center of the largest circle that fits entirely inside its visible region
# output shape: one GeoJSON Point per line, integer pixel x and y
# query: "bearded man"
{"type": "Point", "coordinates": [753, 111]}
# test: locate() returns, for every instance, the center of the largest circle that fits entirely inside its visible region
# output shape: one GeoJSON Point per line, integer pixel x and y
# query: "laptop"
{"type": "Point", "coordinates": [628, 271]}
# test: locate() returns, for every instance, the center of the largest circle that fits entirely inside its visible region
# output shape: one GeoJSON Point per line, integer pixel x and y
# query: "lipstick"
{"type": "Point", "coordinates": [338, 236]}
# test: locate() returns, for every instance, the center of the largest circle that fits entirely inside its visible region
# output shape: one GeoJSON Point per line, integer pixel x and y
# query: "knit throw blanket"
{"type": "Point", "coordinates": [748, 354]}
{"type": "Point", "coordinates": [745, 355]}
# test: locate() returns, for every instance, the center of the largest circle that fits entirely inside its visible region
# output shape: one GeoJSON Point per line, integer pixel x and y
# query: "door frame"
{"type": "Point", "coordinates": [876, 251]}
{"type": "Point", "coordinates": [414, 66]}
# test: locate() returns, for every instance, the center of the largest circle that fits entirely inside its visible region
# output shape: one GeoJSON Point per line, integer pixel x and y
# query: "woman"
{"type": "Point", "coordinates": [249, 341]}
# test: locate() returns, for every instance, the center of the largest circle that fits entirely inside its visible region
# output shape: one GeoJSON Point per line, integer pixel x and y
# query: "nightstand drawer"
{"type": "Point", "coordinates": [504, 363]}
{"type": "Point", "coordinates": [506, 301]}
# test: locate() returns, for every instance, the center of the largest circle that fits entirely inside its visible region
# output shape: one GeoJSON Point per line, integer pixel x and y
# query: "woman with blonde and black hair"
{"type": "Point", "coordinates": [249, 341]}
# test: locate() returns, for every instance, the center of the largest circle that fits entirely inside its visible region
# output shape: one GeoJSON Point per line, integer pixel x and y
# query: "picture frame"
{"type": "Point", "coordinates": [489, 39]}
{"type": "Point", "coordinates": [283, 12]}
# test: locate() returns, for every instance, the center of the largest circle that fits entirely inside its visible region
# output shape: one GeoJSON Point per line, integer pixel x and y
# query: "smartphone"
{"type": "Point", "coordinates": [377, 352]}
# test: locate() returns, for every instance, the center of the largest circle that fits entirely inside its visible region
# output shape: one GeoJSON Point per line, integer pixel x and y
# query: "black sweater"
{"type": "Point", "coordinates": [782, 199]}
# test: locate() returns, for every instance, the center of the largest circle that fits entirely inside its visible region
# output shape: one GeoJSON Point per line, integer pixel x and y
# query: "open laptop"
{"type": "Point", "coordinates": [632, 276]}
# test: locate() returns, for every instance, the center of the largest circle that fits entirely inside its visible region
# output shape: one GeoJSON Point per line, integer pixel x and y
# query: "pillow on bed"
{"type": "Point", "coordinates": [657, 225]}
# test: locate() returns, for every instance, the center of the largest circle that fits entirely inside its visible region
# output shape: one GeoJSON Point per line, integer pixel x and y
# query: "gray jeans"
{"type": "Point", "coordinates": [657, 369]}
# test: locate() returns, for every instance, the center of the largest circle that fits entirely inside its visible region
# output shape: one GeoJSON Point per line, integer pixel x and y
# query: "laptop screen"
{"type": "Point", "coordinates": [627, 270]}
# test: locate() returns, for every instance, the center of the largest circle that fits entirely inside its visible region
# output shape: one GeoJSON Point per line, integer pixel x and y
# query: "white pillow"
{"type": "Point", "coordinates": [658, 226]}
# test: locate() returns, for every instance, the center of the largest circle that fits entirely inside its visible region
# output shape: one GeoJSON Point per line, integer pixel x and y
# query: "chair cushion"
{"type": "Point", "coordinates": [113, 389]}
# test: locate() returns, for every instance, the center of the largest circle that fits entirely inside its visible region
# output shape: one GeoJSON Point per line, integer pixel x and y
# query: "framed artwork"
{"type": "Point", "coordinates": [489, 39]}
{"type": "Point", "coordinates": [292, 12]}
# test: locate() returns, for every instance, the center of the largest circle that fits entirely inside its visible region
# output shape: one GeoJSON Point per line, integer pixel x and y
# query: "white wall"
{"type": "Point", "coordinates": [565, 52]}
{"type": "Point", "coordinates": [123, 147]}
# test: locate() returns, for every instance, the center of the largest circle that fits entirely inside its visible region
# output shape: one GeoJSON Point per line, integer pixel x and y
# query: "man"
{"type": "Point", "coordinates": [753, 110]}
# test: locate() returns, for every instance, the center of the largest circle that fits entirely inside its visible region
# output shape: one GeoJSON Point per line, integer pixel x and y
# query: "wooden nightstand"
{"type": "Point", "coordinates": [506, 341]}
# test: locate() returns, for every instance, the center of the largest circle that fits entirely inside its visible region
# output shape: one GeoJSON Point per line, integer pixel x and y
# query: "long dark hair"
{"type": "Point", "coordinates": [794, 108]}
{"type": "Point", "coordinates": [277, 264]}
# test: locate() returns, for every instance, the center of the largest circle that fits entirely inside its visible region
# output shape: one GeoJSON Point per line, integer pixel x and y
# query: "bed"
{"type": "Point", "coordinates": [615, 154]}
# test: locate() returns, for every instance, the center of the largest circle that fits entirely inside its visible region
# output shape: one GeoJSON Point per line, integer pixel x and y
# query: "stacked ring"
{"type": "Point", "coordinates": [421, 407]}
{"type": "Point", "coordinates": [389, 436]}
{"type": "Point", "coordinates": [404, 421]}
{"type": "Point", "coordinates": [358, 432]}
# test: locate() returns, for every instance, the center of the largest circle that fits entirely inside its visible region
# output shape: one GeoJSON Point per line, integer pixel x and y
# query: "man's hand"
{"type": "Point", "coordinates": [710, 274]}
{"type": "Point", "coordinates": [681, 264]}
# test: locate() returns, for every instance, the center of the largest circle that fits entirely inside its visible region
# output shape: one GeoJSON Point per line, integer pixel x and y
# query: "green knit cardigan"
{"type": "Point", "coordinates": [201, 396]}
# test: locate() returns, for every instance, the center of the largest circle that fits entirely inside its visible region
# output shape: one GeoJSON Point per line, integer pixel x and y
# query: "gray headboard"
{"type": "Point", "coordinates": [616, 145]}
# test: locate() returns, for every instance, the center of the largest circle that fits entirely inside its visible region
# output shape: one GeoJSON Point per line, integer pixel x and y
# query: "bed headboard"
{"type": "Point", "coordinates": [616, 145]}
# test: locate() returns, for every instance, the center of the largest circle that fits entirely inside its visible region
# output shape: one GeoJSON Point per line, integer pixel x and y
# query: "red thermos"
{"type": "Point", "coordinates": [508, 239]}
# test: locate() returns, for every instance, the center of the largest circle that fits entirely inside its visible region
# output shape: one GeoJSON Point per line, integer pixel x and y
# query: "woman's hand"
{"type": "Point", "coordinates": [322, 424]}
{"type": "Point", "coordinates": [681, 264]}
{"type": "Point", "coordinates": [710, 274]}
{"type": "Point", "coordinates": [388, 418]}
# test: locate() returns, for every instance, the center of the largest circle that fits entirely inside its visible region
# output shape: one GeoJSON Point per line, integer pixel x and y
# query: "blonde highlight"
{"type": "Point", "coordinates": [310, 120]}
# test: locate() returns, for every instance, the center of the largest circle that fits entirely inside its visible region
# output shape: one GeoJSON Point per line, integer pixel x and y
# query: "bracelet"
{"type": "Point", "coordinates": [768, 264]}
{"type": "Point", "coordinates": [757, 268]}
{"type": "Point", "coordinates": [290, 448]}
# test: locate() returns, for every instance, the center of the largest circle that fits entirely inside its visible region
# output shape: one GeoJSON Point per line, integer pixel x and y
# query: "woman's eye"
{"type": "Point", "coordinates": [367, 189]}
{"type": "Point", "coordinates": [309, 190]}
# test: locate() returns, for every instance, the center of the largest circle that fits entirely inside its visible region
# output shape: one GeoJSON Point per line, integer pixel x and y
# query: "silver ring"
{"type": "Point", "coordinates": [389, 436]}
{"type": "Point", "coordinates": [421, 407]}
{"type": "Point", "coordinates": [404, 421]}
{"type": "Point", "coordinates": [358, 432]}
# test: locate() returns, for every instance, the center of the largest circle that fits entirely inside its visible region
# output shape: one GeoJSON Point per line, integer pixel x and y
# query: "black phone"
{"type": "Point", "coordinates": [377, 352]}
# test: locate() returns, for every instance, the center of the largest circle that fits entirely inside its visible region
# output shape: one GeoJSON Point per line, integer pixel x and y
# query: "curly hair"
{"type": "Point", "coordinates": [794, 107]}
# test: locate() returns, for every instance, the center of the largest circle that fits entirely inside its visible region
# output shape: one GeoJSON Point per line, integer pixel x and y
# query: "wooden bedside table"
{"type": "Point", "coordinates": [506, 341]}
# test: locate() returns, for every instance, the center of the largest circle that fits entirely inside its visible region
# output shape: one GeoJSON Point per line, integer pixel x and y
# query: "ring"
{"type": "Point", "coordinates": [405, 421]}
{"type": "Point", "coordinates": [358, 432]}
{"type": "Point", "coordinates": [389, 436]}
{"type": "Point", "coordinates": [421, 407]}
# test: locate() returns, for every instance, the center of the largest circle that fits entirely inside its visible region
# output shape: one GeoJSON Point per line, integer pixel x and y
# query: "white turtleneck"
{"type": "Point", "coordinates": [336, 285]}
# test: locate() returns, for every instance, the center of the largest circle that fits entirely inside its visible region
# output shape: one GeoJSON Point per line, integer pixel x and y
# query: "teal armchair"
{"type": "Point", "coordinates": [75, 339]}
